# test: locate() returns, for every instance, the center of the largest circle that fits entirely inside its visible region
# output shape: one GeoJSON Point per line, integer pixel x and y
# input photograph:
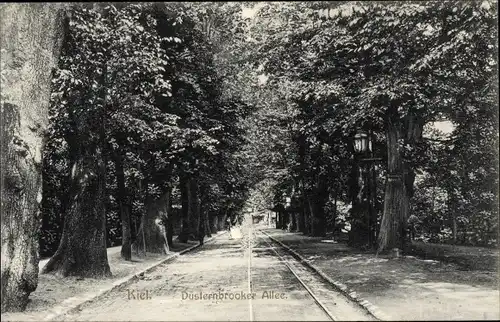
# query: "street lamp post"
{"type": "Point", "coordinates": [363, 147]}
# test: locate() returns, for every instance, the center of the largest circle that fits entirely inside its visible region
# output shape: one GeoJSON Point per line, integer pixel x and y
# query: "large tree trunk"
{"type": "Point", "coordinates": [152, 231]}
{"type": "Point", "coordinates": [400, 180]}
{"type": "Point", "coordinates": [82, 251]}
{"type": "Point", "coordinates": [126, 251]}
{"type": "Point", "coordinates": [30, 41]}
{"type": "Point", "coordinates": [396, 203]}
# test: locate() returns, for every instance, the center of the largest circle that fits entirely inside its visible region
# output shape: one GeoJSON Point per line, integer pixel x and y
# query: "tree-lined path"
{"type": "Point", "coordinates": [216, 280]}
{"type": "Point", "coordinates": [154, 126]}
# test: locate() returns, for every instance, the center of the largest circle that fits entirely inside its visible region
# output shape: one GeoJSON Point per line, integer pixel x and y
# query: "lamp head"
{"type": "Point", "coordinates": [362, 143]}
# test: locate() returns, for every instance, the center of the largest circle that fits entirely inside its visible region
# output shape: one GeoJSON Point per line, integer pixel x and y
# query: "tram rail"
{"type": "Point", "coordinates": [324, 294]}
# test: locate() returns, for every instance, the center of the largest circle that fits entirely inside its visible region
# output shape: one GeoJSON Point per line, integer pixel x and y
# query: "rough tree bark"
{"type": "Point", "coordinates": [396, 203]}
{"type": "Point", "coordinates": [30, 42]}
{"type": "Point", "coordinates": [82, 251]}
{"type": "Point", "coordinates": [400, 179]}
{"type": "Point", "coordinates": [126, 251]}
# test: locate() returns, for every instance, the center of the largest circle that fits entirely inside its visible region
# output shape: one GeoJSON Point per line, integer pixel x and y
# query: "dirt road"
{"type": "Point", "coordinates": [211, 284]}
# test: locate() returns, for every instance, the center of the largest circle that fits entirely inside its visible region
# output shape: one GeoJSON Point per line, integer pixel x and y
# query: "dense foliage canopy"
{"type": "Point", "coordinates": [255, 107]}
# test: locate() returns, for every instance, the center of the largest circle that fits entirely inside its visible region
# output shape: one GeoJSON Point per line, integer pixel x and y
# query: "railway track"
{"type": "Point", "coordinates": [334, 305]}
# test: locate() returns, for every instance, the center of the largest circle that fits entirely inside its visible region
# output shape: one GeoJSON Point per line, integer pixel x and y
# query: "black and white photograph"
{"type": "Point", "coordinates": [249, 161]}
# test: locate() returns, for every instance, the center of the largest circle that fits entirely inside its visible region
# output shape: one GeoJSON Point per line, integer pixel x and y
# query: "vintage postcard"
{"type": "Point", "coordinates": [249, 161]}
